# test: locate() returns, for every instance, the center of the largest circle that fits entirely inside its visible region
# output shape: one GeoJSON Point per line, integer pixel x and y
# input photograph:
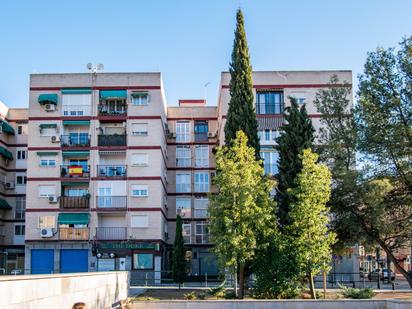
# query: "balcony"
{"type": "Point", "coordinates": [201, 137]}
{"type": "Point", "coordinates": [112, 171]}
{"type": "Point", "coordinates": [75, 171]}
{"type": "Point", "coordinates": [111, 203]}
{"type": "Point", "coordinates": [113, 108]}
{"type": "Point", "coordinates": [74, 202]}
{"type": "Point", "coordinates": [111, 140]}
{"type": "Point", "coordinates": [270, 108]}
{"type": "Point", "coordinates": [72, 233]}
{"type": "Point", "coordinates": [75, 140]}
{"type": "Point", "coordinates": [111, 233]}
{"type": "Point", "coordinates": [76, 110]}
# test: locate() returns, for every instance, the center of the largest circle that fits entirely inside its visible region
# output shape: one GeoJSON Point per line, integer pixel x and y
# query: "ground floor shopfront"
{"type": "Point", "coordinates": [11, 260]}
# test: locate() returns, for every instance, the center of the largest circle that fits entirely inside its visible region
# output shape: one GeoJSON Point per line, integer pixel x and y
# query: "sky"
{"type": "Point", "coordinates": [189, 42]}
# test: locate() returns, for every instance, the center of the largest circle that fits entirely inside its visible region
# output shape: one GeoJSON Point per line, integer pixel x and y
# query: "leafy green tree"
{"type": "Point", "coordinates": [241, 114]}
{"type": "Point", "coordinates": [296, 135]}
{"type": "Point", "coordinates": [179, 258]}
{"type": "Point", "coordinates": [312, 240]}
{"type": "Point", "coordinates": [241, 213]}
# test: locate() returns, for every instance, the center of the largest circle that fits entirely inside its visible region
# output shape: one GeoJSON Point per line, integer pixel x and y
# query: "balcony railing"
{"type": "Point", "coordinates": [201, 239]}
{"type": "Point", "coordinates": [269, 108]}
{"type": "Point", "coordinates": [201, 213]}
{"type": "Point", "coordinates": [201, 137]}
{"type": "Point", "coordinates": [113, 109]}
{"type": "Point", "coordinates": [111, 233]}
{"type": "Point", "coordinates": [112, 202]}
{"type": "Point", "coordinates": [75, 140]}
{"type": "Point", "coordinates": [111, 140]}
{"type": "Point", "coordinates": [74, 202]}
{"type": "Point", "coordinates": [114, 171]}
{"type": "Point", "coordinates": [72, 233]}
{"type": "Point", "coordinates": [76, 110]}
{"type": "Point", "coordinates": [75, 171]}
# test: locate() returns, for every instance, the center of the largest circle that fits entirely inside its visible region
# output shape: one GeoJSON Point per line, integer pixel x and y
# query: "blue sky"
{"type": "Point", "coordinates": [190, 42]}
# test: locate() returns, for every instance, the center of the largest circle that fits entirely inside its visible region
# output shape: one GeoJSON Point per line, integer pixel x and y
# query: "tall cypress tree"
{"type": "Point", "coordinates": [241, 114]}
{"type": "Point", "coordinates": [296, 135]}
{"type": "Point", "coordinates": [179, 261]}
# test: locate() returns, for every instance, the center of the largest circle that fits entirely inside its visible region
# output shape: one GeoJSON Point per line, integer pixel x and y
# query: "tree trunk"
{"type": "Point", "coordinates": [241, 281]}
{"type": "Point", "coordinates": [235, 279]}
{"type": "Point", "coordinates": [324, 284]}
{"type": "Point", "coordinates": [395, 262]}
{"type": "Point", "coordinates": [312, 285]}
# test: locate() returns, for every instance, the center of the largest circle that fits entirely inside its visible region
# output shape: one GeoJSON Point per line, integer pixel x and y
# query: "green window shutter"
{"type": "Point", "coordinates": [73, 218]}
{"type": "Point", "coordinates": [47, 125]}
{"type": "Point", "coordinates": [48, 98]}
{"type": "Point", "coordinates": [76, 122]}
{"type": "Point", "coordinates": [4, 204]}
{"type": "Point", "coordinates": [113, 94]}
{"type": "Point", "coordinates": [47, 153]}
{"type": "Point", "coordinates": [5, 153]}
{"type": "Point", "coordinates": [139, 94]}
{"type": "Point", "coordinates": [76, 91]}
{"type": "Point", "coordinates": [7, 128]}
{"type": "Point", "coordinates": [74, 154]}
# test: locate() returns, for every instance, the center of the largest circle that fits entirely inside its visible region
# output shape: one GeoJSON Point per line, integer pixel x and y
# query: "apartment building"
{"type": "Point", "coordinates": [13, 153]}
{"type": "Point", "coordinates": [111, 166]}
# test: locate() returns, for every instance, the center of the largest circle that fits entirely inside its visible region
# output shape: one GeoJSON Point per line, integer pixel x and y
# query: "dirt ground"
{"type": "Point", "coordinates": [175, 294]}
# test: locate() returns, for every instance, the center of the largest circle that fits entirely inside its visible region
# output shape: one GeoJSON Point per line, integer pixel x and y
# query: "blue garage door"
{"type": "Point", "coordinates": [73, 260]}
{"type": "Point", "coordinates": [42, 261]}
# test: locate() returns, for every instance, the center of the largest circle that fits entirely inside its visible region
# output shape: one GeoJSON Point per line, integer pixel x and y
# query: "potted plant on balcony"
{"type": "Point", "coordinates": [87, 195]}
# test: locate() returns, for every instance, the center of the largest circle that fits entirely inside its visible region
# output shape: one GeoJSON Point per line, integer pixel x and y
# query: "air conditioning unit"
{"type": "Point", "coordinates": [55, 139]}
{"type": "Point", "coordinates": [211, 134]}
{"type": "Point", "coordinates": [53, 199]}
{"type": "Point", "coordinates": [50, 107]}
{"type": "Point", "coordinates": [10, 185]}
{"type": "Point", "coordinates": [46, 233]}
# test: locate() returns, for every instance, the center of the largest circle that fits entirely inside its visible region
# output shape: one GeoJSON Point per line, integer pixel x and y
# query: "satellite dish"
{"type": "Point", "coordinates": [89, 66]}
{"type": "Point", "coordinates": [100, 67]}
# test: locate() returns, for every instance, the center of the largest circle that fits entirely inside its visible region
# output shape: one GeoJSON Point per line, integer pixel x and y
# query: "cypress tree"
{"type": "Point", "coordinates": [296, 134]}
{"type": "Point", "coordinates": [178, 261]}
{"type": "Point", "coordinates": [241, 114]}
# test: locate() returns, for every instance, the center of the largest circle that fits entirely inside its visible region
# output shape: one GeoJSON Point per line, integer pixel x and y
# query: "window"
{"type": "Point", "coordinates": [75, 192]}
{"type": "Point", "coordinates": [20, 209]}
{"type": "Point", "coordinates": [183, 156]}
{"type": "Point", "coordinates": [19, 129]}
{"type": "Point", "coordinates": [201, 206]}
{"type": "Point", "coordinates": [140, 159]}
{"type": "Point", "coordinates": [139, 129]}
{"type": "Point", "coordinates": [143, 260]}
{"type": "Point", "coordinates": [47, 190]}
{"type": "Point", "coordinates": [183, 131]}
{"type": "Point", "coordinates": [201, 182]}
{"type": "Point", "coordinates": [47, 162]}
{"type": "Point", "coordinates": [139, 221]}
{"type": "Point", "coordinates": [202, 233]}
{"type": "Point", "coordinates": [140, 98]}
{"type": "Point", "coordinates": [268, 136]}
{"type": "Point", "coordinates": [140, 190]}
{"type": "Point", "coordinates": [21, 154]}
{"type": "Point", "coordinates": [201, 131]}
{"type": "Point", "coordinates": [183, 181]}
{"type": "Point", "coordinates": [186, 232]}
{"type": "Point", "coordinates": [202, 156]}
{"type": "Point", "coordinates": [269, 102]}
{"type": "Point", "coordinates": [21, 180]}
{"type": "Point", "coordinates": [300, 97]}
{"type": "Point", "coordinates": [48, 132]}
{"type": "Point", "coordinates": [19, 229]}
{"type": "Point", "coordinates": [47, 222]}
{"type": "Point", "coordinates": [76, 104]}
{"type": "Point", "coordinates": [183, 207]}
{"type": "Point", "coordinates": [270, 162]}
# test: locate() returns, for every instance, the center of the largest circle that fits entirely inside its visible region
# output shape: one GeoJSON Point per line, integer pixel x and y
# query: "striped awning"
{"type": "Point", "coordinates": [270, 123]}
{"type": "Point", "coordinates": [112, 152]}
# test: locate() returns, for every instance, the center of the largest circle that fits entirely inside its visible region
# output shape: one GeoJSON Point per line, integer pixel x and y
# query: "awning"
{"type": "Point", "coordinates": [73, 218]}
{"type": "Point", "coordinates": [113, 94]}
{"type": "Point", "coordinates": [74, 154]}
{"type": "Point", "coordinates": [7, 128]}
{"type": "Point", "coordinates": [47, 153]}
{"type": "Point", "coordinates": [47, 125]}
{"type": "Point", "coordinates": [139, 94]}
{"type": "Point", "coordinates": [76, 122]}
{"type": "Point", "coordinates": [269, 123]}
{"type": "Point", "coordinates": [5, 153]}
{"type": "Point", "coordinates": [48, 98]}
{"type": "Point", "coordinates": [112, 152]}
{"type": "Point", "coordinates": [74, 184]}
{"type": "Point", "coordinates": [4, 204]}
{"type": "Point", "coordinates": [77, 91]}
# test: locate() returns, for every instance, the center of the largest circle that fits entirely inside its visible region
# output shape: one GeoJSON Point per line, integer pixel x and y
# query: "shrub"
{"type": "Point", "coordinates": [201, 296]}
{"type": "Point", "coordinates": [190, 296]}
{"type": "Point", "coordinates": [229, 294]}
{"type": "Point", "coordinates": [217, 290]}
{"type": "Point", "coordinates": [355, 293]}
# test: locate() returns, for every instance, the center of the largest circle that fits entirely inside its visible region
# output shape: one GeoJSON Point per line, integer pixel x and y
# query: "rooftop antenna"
{"type": "Point", "coordinates": [95, 68]}
{"type": "Point", "coordinates": [205, 95]}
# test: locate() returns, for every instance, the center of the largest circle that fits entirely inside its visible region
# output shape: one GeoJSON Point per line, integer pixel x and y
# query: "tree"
{"type": "Point", "coordinates": [308, 228]}
{"type": "Point", "coordinates": [241, 213]}
{"type": "Point", "coordinates": [241, 114]}
{"type": "Point", "coordinates": [296, 135]}
{"type": "Point", "coordinates": [179, 259]}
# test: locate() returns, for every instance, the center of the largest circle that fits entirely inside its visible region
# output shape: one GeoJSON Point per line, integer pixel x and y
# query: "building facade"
{"type": "Point", "coordinates": [111, 166]}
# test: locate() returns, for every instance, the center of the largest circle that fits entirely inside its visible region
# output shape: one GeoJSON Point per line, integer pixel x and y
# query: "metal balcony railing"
{"type": "Point", "coordinates": [111, 202]}
{"type": "Point", "coordinates": [111, 140]}
{"type": "Point", "coordinates": [75, 140]}
{"type": "Point", "coordinates": [74, 202]}
{"type": "Point", "coordinates": [111, 233]}
{"type": "Point", "coordinates": [111, 171]}
{"type": "Point", "coordinates": [76, 110]}
{"type": "Point", "coordinates": [113, 109]}
{"type": "Point", "coordinates": [73, 233]}
{"type": "Point", "coordinates": [75, 171]}
{"type": "Point", "coordinates": [201, 137]}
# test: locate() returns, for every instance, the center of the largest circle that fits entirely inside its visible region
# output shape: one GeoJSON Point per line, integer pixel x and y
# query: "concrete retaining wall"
{"type": "Point", "coordinates": [274, 304]}
{"type": "Point", "coordinates": [61, 291]}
